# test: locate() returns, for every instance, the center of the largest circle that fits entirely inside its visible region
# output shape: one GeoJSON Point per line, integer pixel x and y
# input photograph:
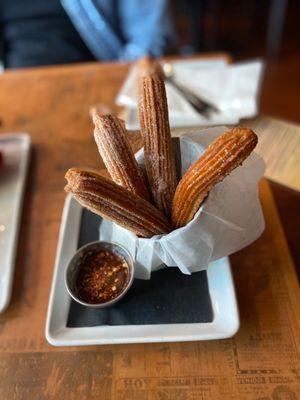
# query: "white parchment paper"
{"type": "Point", "coordinates": [230, 218]}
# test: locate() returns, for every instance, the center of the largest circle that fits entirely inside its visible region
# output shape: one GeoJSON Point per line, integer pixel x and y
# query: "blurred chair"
{"type": "Point", "coordinates": [275, 27]}
{"type": "Point", "coordinates": [209, 25]}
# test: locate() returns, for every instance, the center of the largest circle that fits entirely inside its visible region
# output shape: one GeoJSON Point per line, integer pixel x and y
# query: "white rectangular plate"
{"type": "Point", "coordinates": [15, 148]}
{"type": "Point", "coordinates": [221, 288]}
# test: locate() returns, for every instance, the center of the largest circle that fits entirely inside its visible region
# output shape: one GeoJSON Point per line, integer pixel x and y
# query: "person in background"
{"type": "Point", "coordinates": [45, 32]}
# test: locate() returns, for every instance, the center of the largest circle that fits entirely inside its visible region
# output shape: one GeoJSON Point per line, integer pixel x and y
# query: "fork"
{"type": "Point", "coordinates": [203, 107]}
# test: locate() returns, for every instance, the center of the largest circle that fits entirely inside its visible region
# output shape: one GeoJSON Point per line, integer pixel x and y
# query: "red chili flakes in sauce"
{"type": "Point", "coordinates": [102, 277]}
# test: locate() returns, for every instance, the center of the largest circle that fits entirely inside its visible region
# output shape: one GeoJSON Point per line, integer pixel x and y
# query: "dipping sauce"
{"type": "Point", "coordinates": [102, 276]}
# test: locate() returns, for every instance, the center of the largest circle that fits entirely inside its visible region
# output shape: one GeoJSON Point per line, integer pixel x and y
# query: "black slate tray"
{"type": "Point", "coordinates": [169, 297]}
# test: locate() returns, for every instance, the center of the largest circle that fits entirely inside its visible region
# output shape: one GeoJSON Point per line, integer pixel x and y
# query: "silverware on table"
{"type": "Point", "coordinates": [203, 107]}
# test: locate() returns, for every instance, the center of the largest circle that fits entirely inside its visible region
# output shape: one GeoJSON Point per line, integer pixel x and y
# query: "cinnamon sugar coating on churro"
{"type": "Point", "coordinates": [222, 156]}
{"type": "Point", "coordinates": [156, 135]}
{"type": "Point", "coordinates": [116, 152]}
{"type": "Point", "coordinates": [113, 202]}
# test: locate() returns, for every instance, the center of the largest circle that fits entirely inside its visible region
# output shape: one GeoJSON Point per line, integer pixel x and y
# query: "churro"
{"type": "Point", "coordinates": [155, 130]}
{"type": "Point", "coordinates": [117, 154]}
{"type": "Point", "coordinates": [222, 156]}
{"type": "Point", "coordinates": [113, 202]}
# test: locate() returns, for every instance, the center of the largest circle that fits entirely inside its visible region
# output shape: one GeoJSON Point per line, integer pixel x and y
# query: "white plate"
{"type": "Point", "coordinates": [225, 313]}
{"type": "Point", "coordinates": [15, 149]}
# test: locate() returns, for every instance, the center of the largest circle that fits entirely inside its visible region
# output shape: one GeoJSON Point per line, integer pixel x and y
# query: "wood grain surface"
{"type": "Point", "coordinates": [261, 362]}
{"type": "Point", "coordinates": [279, 145]}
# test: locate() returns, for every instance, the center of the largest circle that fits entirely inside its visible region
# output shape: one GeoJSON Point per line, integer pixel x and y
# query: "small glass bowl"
{"type": "Point", "coordinates": [75, 264]}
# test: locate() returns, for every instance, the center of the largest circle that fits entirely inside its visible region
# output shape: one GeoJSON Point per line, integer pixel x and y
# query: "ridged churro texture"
{"type": "Point", "coordinates": [222, 156]}
{"type": "Point", "coordinates": [156, 135]}
{"type": "Point", "coordinates": [117, 154]}
{"type": "Point", "coordinates": [113, 202]}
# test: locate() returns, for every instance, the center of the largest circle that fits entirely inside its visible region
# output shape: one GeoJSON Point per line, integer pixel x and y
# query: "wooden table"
{"type": "Point", "coordinates": [260, 362]}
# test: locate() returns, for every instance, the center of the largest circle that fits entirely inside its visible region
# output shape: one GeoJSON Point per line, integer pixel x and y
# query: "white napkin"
{"type": "Point", "coordinates": [233, 89]}
{"type": "Point", "coordinates": [229, 219]}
